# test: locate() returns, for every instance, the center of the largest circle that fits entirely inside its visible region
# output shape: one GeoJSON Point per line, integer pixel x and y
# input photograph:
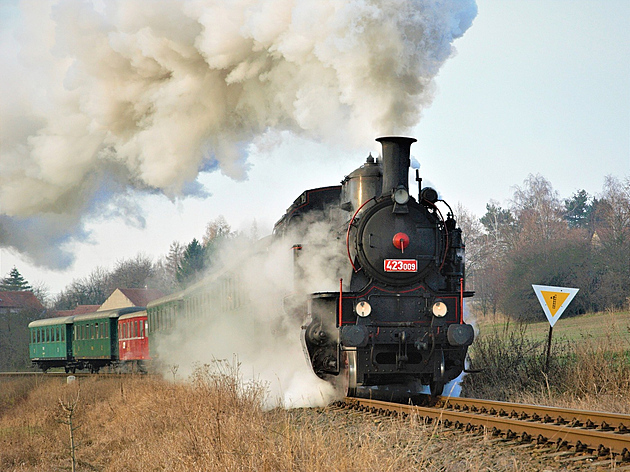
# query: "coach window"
{"type": "Point", "coordinates": [63, 334]}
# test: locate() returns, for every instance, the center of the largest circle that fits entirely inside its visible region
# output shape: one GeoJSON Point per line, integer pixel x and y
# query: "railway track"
{"type": "Point", "coordinates": [593, 437]}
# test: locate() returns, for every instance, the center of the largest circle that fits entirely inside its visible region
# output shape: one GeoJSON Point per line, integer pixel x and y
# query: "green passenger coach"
{"type": "Point", "coordinates": [95, 339]}
{"type": "Point", "coordinates": [51, 342]}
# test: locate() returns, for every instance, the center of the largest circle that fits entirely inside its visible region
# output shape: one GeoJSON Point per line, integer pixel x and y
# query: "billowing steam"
{"type": "Point", "coordinates": [260, 331]}
{"type": "Point", "coordinates": [104, 98]}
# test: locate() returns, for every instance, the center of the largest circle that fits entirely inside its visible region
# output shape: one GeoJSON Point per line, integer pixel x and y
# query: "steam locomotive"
{"type": "Point", "coordinates": [397, 317]}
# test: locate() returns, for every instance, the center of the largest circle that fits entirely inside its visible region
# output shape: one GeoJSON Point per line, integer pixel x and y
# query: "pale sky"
{"type": "Point", "coordinates": [535, 87]}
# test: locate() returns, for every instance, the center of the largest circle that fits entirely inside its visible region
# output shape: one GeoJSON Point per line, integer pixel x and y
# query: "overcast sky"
{"type": "Point", "coordinates": [534, 87]}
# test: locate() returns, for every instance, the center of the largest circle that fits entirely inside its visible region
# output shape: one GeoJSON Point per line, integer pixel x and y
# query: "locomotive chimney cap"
{"type": "Point", "coordinates": [400, 139]}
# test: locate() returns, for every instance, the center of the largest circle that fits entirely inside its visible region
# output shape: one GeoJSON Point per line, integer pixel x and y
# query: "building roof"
{"type": "Point", "coordinates": [79, 310]}
{"type": "Point", "coordinates": [19, 300]}
{"type": "Point", "coordinates": [141, 296]}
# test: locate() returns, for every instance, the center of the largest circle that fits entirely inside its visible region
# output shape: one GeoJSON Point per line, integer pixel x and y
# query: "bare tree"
{"type": "Point", "coordinates": [539, 211]}
{"type": "Point", "coordinates": [69, 409]}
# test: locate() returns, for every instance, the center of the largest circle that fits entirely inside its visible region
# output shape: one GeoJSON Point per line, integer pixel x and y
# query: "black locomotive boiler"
{"type": "Point", "coordinates": [396, 319]}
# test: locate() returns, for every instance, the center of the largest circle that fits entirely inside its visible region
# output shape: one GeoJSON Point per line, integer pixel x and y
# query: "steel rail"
{"type": "Point", "coordinates": [582, 439]}
{"type": "Point", "coordinates": [545, 414]}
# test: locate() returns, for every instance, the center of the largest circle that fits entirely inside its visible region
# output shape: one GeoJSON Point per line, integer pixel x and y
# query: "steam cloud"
{"type": "Point", "coordinates": [260, 331]}
{"type": "Point", "coordinates": [105, 98]}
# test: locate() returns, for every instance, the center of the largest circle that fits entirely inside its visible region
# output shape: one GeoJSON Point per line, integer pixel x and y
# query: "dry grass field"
{"type": "Point", "coordinates": [215, 423]}
{"type": "Point", "coordinates": [576, 328]}
{"type": "Point", "coordinates": [589, 365]}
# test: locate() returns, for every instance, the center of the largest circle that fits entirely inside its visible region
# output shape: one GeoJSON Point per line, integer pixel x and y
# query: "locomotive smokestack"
{"type": "Point", "coordinates": [395, 162]}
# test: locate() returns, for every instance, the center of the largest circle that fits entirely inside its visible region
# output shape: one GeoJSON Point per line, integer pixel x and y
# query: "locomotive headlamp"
{"type": "Point", "coordinates": [439, 308]}
{"type": "Point", "coordinates": [401, 196]}
{"type": "Point", "coordinates": [363, 309]}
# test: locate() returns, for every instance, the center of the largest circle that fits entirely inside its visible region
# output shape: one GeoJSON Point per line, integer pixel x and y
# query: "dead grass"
{"type": "Point", "coordinates": [588, 369]}
{"type": "Point", "coordinates": [214, 422]}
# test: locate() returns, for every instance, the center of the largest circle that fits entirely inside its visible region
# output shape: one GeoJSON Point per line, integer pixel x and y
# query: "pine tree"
{"type": "Point", "coordinates": [15, 282]}
{"type": "Point", "coordinates": [192, 263]}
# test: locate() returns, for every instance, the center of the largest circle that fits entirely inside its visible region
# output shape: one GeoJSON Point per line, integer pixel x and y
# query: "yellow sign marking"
{"type": "Point", "coordinates": [554, 300]}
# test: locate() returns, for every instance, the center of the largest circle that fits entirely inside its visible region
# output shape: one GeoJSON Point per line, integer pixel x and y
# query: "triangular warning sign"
{"type": "Point", "coordinates": [554, 300]}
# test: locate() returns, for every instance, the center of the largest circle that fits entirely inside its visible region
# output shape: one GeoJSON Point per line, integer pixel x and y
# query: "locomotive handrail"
{"type": "Point", "coordinates": [441, 217]}
{"type": "Point", "coordinates": [348, 232]}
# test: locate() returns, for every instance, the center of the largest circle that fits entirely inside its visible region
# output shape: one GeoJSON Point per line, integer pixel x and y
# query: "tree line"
{"type": "Point", "coordinates": [582, 241]}
{"type": "Point", "coordinates": [184, 264]}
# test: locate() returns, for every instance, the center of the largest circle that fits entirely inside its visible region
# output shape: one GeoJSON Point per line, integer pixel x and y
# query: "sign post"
{"type": "Point", "coordinates": [554, 300]}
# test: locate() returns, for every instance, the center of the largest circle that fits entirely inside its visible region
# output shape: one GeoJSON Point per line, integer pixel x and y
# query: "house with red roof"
{"type": "Point", "coordinates": [17, 301]}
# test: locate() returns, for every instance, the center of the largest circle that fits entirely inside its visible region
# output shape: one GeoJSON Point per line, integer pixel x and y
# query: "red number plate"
{"type": "Point", "coordinates": [401, 265]}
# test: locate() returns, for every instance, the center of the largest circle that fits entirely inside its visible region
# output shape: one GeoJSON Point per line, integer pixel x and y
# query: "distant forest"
{"type": "Point", "coordinates": [582, 241]}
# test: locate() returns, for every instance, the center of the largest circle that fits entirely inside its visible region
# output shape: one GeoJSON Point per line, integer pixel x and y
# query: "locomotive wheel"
{"type": "Point", "coordinates": [437, 382]}
{"type": "Point", "coordinates": [347, 378]}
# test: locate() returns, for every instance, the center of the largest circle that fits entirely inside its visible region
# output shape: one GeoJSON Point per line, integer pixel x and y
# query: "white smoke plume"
{"type": "Point", "coordinates": [104, 98]}
{"type": "Point", "coordinates": [262, 331]}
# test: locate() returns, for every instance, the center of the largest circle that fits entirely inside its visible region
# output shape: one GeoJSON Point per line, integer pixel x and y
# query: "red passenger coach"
{"type": "Point", "coordinates": [133, 339]}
